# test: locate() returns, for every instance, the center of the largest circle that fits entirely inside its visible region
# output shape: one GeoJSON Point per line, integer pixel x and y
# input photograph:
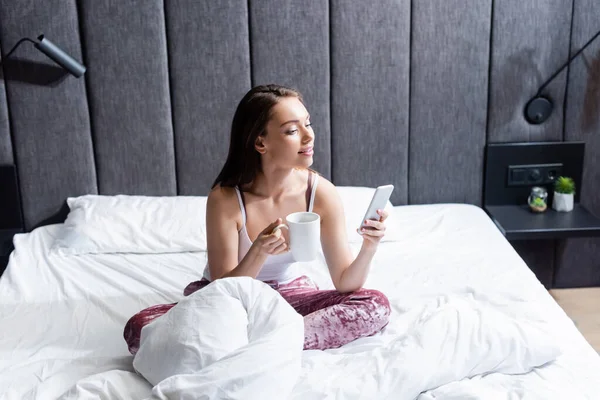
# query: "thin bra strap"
{"type": "Point", "coordinates": [313, 191]}
{"type": "Point", "coordinates": [240, 197]}
{"type": "Point", "coordinates": [308, 190]}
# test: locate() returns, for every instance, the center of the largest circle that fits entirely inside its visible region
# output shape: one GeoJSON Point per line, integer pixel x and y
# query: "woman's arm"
{"type": "Point", "coordinates": [223, 218]}
{"type": "Point", "coordinates": [347, 274]}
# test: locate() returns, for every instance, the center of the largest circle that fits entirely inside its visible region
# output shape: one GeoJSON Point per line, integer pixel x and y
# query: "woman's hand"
{"type": "Point", "coordinates": [269, 243]}
{"type": "Point", "coordinates": [375, 230]}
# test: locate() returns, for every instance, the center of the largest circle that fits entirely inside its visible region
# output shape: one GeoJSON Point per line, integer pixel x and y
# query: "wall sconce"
{"type": "Point", "coordinates": [539, 108]}
{"type": "Point", "coordinates": [53, 52]}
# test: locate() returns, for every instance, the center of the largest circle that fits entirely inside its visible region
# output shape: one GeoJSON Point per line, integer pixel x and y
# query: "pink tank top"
{"type": "Point", "coordinates": [279, 267]}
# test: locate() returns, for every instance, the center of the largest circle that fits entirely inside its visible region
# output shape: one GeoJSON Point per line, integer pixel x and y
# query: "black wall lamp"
{"type": "Point", "coordinates": [539, 108]}
{"type": "Point", "coordinates": [53, 52]}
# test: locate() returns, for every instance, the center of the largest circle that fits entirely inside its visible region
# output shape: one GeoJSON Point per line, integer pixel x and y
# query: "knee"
{"type": "Point", "coordinates": [133, 327]}
{"type": "Point", "coordinates": [378, 307]}
{"type": "Point", "coordinates": [195, 286]}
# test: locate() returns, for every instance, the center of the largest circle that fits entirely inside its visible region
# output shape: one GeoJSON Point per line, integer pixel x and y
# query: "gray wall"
{"type": "Point", "coordinates": [400, 91]}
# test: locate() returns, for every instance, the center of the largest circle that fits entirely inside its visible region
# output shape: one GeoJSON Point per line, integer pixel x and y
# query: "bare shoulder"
{"type": "Point", "coordinates": [325, 187]}
{"type": "Point", "coordinates": [327, 198]}
{"type": "Point", "coordinates": [223, 205]}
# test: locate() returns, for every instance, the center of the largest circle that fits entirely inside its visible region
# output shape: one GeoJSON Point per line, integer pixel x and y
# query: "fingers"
{"type": "Point", "coordinates": [272, 226]}
{"type": "Point", "coordinates": [279, 249]}
{"type": "Point", "coordinates": [383, 214]}
{"type": "Point", "coordinates": [275, 246]}
{"type": "Point", "coordinates": [271, 244]}
{"type": "Point", "coordinates": [269, 240]}
{"type": "Point", "coordinates": [372, 232]}
{"type": "Point", "coordinates": [377, 225]}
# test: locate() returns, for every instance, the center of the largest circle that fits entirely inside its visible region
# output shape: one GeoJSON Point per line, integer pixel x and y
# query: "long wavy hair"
{"type": "Point", "coordinates": [249, 122]}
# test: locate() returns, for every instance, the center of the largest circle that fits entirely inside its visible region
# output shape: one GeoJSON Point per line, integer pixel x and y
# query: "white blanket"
{"type": "Point", "coordinates": [238, 339]}
{"type": "Point", "coordinates": [233, 339]}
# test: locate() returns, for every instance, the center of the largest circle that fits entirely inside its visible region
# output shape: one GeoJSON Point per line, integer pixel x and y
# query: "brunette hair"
{"type": "Point", "coordinates": [249, 122]}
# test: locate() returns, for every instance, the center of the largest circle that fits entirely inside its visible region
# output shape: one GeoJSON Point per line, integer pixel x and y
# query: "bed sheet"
{"type": "Point", "coordinates": [63, 317]}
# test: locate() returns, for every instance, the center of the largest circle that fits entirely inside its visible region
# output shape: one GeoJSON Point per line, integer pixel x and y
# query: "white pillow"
{"type": "Point", "coordinates": [132, 224]}
{"type": "Point", "coordinates": [168, 224]}
{"type": "Point", "coordinates": [356, 200]}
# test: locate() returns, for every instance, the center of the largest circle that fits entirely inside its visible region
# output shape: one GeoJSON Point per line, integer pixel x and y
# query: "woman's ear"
{"type": "Point", "coordinates": [259, 145]}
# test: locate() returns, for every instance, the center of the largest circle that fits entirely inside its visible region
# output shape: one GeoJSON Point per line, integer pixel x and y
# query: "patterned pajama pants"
{"type": "Point", "coordinates": [331, 319]}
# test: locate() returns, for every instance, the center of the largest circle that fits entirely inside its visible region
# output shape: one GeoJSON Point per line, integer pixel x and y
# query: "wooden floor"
{"type": "Point", "coordinates": [583, 306]}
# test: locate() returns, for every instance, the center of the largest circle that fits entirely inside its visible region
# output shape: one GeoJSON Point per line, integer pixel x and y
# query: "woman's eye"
{"type": "Point", "coordinates": [292, 132]}
{"type": "Point", "coordinates": [309, 125]}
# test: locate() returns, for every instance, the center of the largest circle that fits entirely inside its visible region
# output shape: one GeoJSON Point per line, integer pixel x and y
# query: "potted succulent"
{"type": "Point", "coordinates": [564, 193]}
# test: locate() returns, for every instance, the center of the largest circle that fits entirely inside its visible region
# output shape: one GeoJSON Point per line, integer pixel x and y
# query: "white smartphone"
{"type": "Point", "coordinates": [378, 202]}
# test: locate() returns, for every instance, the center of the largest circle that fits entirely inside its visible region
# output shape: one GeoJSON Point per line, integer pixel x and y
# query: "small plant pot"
{"type": "Point", "coordinates": [562, 202]}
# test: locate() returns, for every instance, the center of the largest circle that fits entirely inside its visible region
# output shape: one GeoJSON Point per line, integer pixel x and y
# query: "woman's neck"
{"type": "Point", "coordinates": [274, 182]}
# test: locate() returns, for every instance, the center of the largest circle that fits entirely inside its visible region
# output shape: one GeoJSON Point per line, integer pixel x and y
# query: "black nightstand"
{"type": "Point", "coordinates": [6, 246]}
{"type": "Point", "coordinates": [517, 222]}
{"type": "Point", "coordinates": [511, 171]}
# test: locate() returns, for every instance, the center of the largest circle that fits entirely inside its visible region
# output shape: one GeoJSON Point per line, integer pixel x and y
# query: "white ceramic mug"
{"type": "Point", "coordinates": [305, 234]}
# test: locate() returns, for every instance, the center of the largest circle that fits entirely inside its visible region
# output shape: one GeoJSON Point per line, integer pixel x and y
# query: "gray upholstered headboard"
{"type": "Point", "coordinates": [400, 91]}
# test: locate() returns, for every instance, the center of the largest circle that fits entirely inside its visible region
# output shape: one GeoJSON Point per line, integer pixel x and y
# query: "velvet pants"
{"type": "Point", "coordinates": [331, 319]}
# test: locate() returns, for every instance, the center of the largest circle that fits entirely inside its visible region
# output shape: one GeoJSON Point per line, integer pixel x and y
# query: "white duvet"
{"type": "Point", "coordinates": [234, 339]}
{"type": "Point", "coordinates": [469, 320]}
{"type": "Point", "coordinates": [238, 339]}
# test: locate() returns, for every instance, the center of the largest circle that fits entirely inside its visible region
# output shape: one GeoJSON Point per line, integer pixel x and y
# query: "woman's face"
{"type": "Point", "coordinates": [289, 139]}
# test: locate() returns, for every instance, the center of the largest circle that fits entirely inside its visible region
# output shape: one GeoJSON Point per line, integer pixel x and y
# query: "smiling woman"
{"type": "Point", "coordinates": [263, 108]}
{"type": "Point", "coordinates": [266, 177]}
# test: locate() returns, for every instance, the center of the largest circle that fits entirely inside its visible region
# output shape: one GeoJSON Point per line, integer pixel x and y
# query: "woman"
{"type": "Point", "coordinates": [266, 176]}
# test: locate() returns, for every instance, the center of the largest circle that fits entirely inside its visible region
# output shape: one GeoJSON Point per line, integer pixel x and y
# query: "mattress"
{"type": "Point", "coordinates": [62, 317]}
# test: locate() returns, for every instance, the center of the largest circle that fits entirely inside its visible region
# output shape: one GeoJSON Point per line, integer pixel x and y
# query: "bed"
{"type": "Point", "coordinates": [63, 315]}
{"type": "Point", "coordinates": [376, 75]}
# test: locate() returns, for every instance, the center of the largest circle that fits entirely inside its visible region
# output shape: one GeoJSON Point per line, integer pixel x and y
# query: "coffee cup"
{"type": "Point", "coordinates": [305, 234]}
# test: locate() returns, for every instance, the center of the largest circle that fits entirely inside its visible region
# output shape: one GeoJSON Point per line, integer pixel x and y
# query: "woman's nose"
{"type": "Point", "coordinates": [308, 134]}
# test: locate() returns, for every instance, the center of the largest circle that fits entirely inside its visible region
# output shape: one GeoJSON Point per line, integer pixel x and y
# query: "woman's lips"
{"type": "Point", "coordinates": [307, 152]}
